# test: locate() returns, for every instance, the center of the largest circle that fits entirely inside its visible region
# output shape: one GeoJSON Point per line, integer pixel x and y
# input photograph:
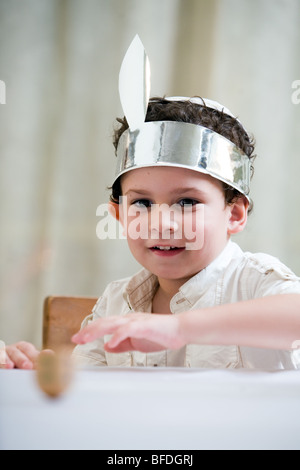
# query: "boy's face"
{"type": "Point", "coordinates": [176, 220]}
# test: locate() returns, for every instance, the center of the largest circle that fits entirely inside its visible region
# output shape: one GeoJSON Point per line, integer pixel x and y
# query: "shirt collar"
{"type": "Point", "coordinates": [195, 287]}
{"type": "Point", "coordinates": [141, 288]}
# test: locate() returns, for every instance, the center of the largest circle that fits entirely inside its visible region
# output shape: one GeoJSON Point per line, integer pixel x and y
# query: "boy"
{"type": "Point", "coordinates": [181, 191]}
{"type": "Point", "coordinates": [208, 291]}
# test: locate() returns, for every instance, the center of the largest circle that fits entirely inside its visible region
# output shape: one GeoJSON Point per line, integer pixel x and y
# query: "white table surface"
{"type": "Point", "coordinates": [153, 409]}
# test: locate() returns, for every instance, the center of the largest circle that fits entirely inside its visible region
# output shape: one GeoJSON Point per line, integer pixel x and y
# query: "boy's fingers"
{"type": "Point", "coordinates": [19, 359]}
{"type": "Point", "coordinates": [23, 355]}
{"type": "Point", "coordinates": [30, 351]}
{"type": "Point", "coordinates": [99, 328]}
{"type": "Point", "coordinates": [9, 364]}
{"type": "Point", "coordinates": [125, 346]}
{"type": "Point", "coordinates": [130, 330]}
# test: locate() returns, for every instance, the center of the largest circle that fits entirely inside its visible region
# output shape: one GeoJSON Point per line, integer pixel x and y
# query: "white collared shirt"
{"type": "Point", "coordinates": [233, 277]}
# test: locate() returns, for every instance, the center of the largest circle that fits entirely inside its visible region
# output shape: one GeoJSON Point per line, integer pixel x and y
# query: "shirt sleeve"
{"type": "Point", "coordinates": [92, 354]}
{"type": "Point", "coordinates": [268, 276]}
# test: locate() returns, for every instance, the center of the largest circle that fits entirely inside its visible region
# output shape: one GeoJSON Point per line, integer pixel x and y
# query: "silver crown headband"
{"type": "Point", "coordinates": [172, 143]}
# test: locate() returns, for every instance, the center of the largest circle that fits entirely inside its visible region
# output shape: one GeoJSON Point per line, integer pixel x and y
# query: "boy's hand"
{"type": "Point", "coordinates": [21, 355]}
{"type": "Point", "coordinates": [135, 332]}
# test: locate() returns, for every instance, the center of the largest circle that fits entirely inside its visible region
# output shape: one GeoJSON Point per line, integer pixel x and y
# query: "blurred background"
{"type": "Point", "coordinates": [60, 61]}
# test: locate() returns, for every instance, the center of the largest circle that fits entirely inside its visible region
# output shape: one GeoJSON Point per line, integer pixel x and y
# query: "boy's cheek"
{"type": "Point", "coordinates": [137, 228]}
{"type": "Point", "coordinates": [194, 228]}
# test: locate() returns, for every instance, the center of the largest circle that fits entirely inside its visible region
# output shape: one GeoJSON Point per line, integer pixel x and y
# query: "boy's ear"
{"type": "Point", "coordinates": [114, 210]}
{"type": "Point", "coordinates": [238, 215]}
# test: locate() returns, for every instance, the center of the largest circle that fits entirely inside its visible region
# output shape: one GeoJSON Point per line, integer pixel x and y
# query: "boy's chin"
{"type": "Point", "coordinates": [179, 276]}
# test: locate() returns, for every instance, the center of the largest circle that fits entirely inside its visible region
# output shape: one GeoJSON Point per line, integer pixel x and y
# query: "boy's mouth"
{"type": "Point", "coordinates": [167, 250]}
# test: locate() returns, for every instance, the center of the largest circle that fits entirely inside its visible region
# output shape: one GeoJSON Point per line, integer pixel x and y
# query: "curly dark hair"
{"type": "Point", "coordinates": [160, 109]}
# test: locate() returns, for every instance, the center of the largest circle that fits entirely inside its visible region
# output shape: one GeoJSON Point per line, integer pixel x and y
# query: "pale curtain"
{"type": "Point", "coordinates": [60, 61]}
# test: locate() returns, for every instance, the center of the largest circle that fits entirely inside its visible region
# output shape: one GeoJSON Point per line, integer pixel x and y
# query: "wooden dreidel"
{"type": "Point", "coordinates": [55, 371]}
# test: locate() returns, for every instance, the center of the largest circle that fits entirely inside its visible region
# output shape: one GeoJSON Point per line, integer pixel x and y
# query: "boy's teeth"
{"type": "Point", "coordinates": [164, 248]}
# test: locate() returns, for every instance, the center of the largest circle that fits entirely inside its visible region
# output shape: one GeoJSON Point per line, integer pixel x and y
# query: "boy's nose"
{"type": "Point", "coordinates": [164, 222]}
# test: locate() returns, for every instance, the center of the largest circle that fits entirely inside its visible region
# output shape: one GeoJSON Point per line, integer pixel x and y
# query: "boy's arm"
{"type": "Point", "coordinates": [270, 322]}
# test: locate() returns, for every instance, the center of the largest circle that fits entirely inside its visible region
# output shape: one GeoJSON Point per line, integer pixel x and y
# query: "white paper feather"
{"type": "Point", "coordinates": [134, 84]}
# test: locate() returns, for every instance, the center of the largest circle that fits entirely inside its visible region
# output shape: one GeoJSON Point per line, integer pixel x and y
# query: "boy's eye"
{"type": "Point", "coordinates": [142, 203]}
{"type": "Point", "coordinates": [187, 202]}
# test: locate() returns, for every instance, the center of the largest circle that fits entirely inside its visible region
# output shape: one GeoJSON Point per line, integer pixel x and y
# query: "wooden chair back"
{"type": "Point", "coordinates": [63, 317]}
